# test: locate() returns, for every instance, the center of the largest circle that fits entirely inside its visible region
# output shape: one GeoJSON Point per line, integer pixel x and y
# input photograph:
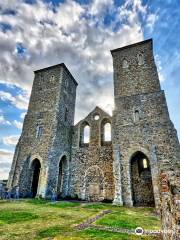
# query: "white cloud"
{"type": "Point", "coordinates": [3, 121]}
{"type": "Point", "coordinates": [22, 115]}
{"type": "Point", "coordinates": [98, 7]}
{"type": "Point", "coordinates": [5, 163]}
{"type": "Point", "coordinates": [20, 101]}
{"type": "Point", "coordinates": [17, 124]}
{"type": "Point", "coordinates": [64, 11]}
{"type": "Point", "coordinates": [131, 10]}
{"type": "Point", "coordinates": [151, 20]}
{"type": "Point", "coordinates": [74, 34]}
{"type": "Point", "coordinates": [159, 68]}
{"type": "Point", "coordinates": [11, 140]}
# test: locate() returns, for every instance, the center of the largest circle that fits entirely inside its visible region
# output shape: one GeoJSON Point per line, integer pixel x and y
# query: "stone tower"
{"type": "Point", "coordinates": [145, 142]}
{"type": "Point", "coordinates": [41, 159]}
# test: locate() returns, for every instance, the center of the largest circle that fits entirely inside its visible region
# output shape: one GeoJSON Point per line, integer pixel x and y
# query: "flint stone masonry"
{"type": "Point", "coordinates": [92, 164]}
{"type": "Point", "coordinates": [101, 170]}
{"type": "Point", "coordinates": [53, 89]}
{"type": "Point", "coordinates": [142, 190]}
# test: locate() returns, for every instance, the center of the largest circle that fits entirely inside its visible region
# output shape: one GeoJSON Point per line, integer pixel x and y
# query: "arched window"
{"type": "Point", "coordinates": [41, 76]}
{"type": "Point", "coordinates": [66, 114]}
{"type": "Point", "coordinates": [66, 84]}
{"type": "Point", "coordinates": [86, 134]}
{"type": "Point", "coordinates": [140, 58]}
{"type": "Point", "coordinates": [145, 164]}
{"type": "Point", "coordinates": [52, 78]}
{"type": "Point", "coordinates": [105, 132]}
{"type": "Point", "coordinates": [136, 116]}
{"type": "Point", "coordinates": [125, 63]}
{"type": "Point", "coordinates": [39, 131]}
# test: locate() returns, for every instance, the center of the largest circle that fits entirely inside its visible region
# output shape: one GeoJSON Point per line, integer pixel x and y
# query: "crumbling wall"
{"type": "Point", "coordinates": [91, 163]}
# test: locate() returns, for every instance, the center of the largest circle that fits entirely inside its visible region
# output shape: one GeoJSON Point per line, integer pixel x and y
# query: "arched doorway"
{"type": "Point", "coordinates": [36, 166]}
{"type": "Point", "coordinates": [94, 184]}
{"type": "Point", "coordinates": [141, 179]}
{"type": "Point", "coordinates": [62, 177]}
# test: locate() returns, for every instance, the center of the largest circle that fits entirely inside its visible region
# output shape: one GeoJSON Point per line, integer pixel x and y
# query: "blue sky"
{"type": "Point", "coordinates": [36, 34]}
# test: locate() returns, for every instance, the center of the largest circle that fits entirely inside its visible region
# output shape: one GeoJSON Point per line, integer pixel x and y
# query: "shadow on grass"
{"type": "Point", "coordinates": [96, 206]}
{"type": "Point", "coordinates": [58, 204]}
{"type": "Point", "coordinates": [50, 232]}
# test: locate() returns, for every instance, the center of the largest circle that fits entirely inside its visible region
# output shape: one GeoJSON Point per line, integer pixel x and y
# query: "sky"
{"type": "Point", "coordinates": [35, 34]}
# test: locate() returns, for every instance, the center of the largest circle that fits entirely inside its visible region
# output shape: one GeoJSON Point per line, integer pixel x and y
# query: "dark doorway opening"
{"type": "Point", "coordinates": [141, 179]}
{"type": "Point", "coordinates": [36, 166]}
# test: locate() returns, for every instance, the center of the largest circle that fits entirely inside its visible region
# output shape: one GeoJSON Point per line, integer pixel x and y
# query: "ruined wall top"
{"type": "Point", "coordinates": [95, 134]}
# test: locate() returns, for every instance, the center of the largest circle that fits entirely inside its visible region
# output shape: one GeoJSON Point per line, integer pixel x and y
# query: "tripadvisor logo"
{"type": "Point", "coordinates": [139, 231]}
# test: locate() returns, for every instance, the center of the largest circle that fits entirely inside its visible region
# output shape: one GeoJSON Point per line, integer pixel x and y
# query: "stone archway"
{"type": "Point", "coordinates": [62, 185]}
{"type": "Point", "coordinates": [94, 184]}
{"type": "Point", "coordinates": [141, 180]}
{"type": "Point", "coordinates": [35, 171]}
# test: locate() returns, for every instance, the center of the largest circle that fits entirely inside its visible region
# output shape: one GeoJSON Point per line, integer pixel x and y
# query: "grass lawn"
{"type": "Point", "coordinates": [39, 219]}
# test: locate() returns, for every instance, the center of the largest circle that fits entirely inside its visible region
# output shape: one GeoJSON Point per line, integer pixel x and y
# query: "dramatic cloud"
{"type": "Point", "coordinates": [71, 33]}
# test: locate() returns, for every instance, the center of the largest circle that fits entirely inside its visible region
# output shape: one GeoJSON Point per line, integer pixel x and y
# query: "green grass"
{"type": "Point", "coordinates": [131, 219]}
{"type": "Point", "coordinates": [14, 216]}
{"type": "Point", "coordinates": [40, 219]}
{"type": "Point", "coordinates": [50, 232]}
{"type": "Point", "coordinates": [97, 234]}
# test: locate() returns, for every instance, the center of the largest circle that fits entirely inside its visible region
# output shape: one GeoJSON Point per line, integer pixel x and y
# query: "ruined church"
{"type": "Point", "coordinates": [127, 158]}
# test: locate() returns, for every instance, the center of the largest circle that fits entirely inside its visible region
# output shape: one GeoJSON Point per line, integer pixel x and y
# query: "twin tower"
{"type": "Point", "coordinates": [117, 158]}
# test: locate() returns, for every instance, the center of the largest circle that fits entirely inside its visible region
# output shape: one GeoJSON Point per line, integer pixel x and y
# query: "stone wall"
{"type": "Point", "coordinates": [62, 138]}
{"type": "Point", "coordinates": [47, 109]}
{"type": "Point", "coordinates": [141, 178]}
{"type": "Point", "coordinates": [140, 120]}
{"type": "Point", "coordinates": [170, 204]}
{"type": "Point", "coordinates": [134, 70]}
{"type": "Point", "coordinates": [92, 163]}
